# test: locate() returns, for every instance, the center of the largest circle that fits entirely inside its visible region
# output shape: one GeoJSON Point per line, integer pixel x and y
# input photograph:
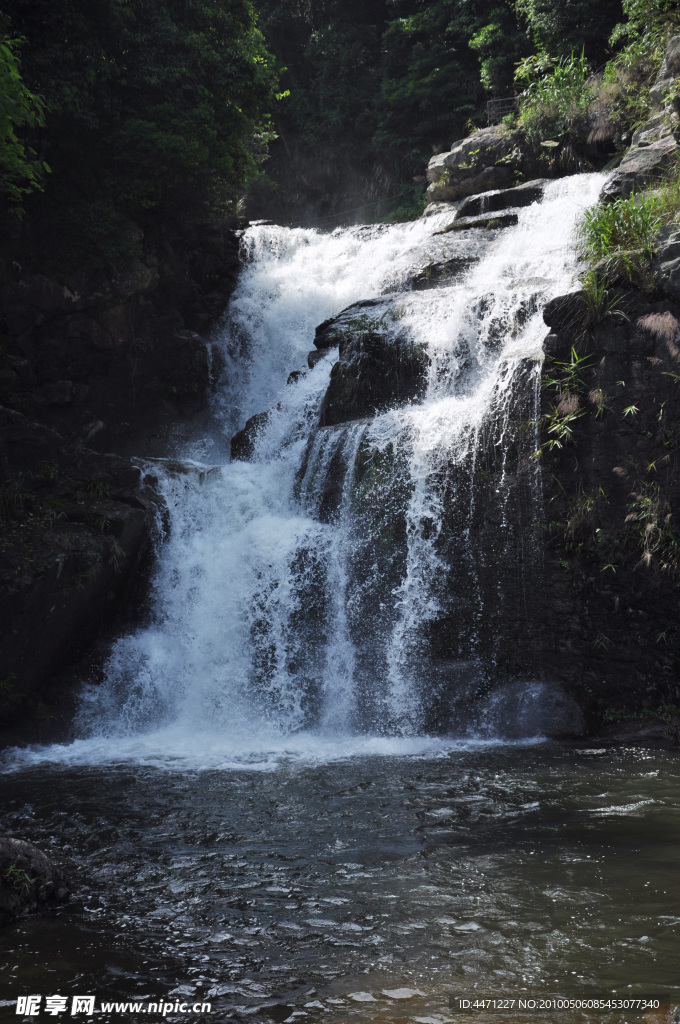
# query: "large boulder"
{"type": "Point", "coordinates": [473, 165]}
{"type": "Point", "coordinates": [29, 880]}
{"type": "Point", "coordinates": [642, 165]}
{"type": "Point", "coordinates": [441, 272]}
{"type": "Point", "coordinates": [377, 369]}
{"type": "Point", "coordinates": [331, 332]}
{"type": "Point", "coordinates": [502, 199]}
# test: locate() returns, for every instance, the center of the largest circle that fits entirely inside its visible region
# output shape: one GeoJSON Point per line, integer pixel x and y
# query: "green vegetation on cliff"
{"type": "Point", "coordinates": [20, 170]}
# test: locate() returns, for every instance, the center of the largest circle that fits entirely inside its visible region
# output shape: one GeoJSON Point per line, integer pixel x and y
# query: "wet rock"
{"type": "Point", "coordinates": [29, 880]}
{"type": "Point", "coordinates": [140, 276]}
{"type": "Point", "coordinates": [640, 167]}
{"type": "Point", "coordinates": [649, 730]}
{"type": "Point", "coordinates": [243, 443]}
{"type": "Point", "coordinates": [442, 272]}
{"type": "Point", "coordinates": [624, 269]}
{"type": "Point", "coordinates": [557, 346]}
{"type": "Point", "coordinates": [314, 357]}
{"type": "Point", "coordinates": [330, 333]}
{"type": "Point", "coordinates": [26, 302]}
{"type": "Point", "coordinates": [74, 530]}
{"type": "Point", "coordinates": [565, 312]}
{"type": "Point", "coordinates": [489, 221]}
{"type": "Point", "coordinates": [502, 199]}
{"type": "Point", "coordinates": [457, 185]}
{"type": "Point", "coordinates": [86, 329]}
{"type": "Point", "coordinates": [607, 632]}
{"type": "Point", "coordinates": [376, 370]}
{"type": "Point", "coordinates": [657, 127]}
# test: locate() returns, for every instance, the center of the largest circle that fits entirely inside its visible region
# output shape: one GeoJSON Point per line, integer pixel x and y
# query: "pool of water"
{"type": "Point", "coordinates": [372, 887]}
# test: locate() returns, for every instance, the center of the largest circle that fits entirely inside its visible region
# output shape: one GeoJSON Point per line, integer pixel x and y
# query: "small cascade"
{"type": "Point", "coordinates": [368, 577]}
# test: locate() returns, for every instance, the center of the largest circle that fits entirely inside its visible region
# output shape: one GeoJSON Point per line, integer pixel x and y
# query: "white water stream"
{"type": "Point", "coordinates": [271, 631]}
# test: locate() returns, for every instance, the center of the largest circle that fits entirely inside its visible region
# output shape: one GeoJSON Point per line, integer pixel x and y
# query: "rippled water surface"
{"type": "Point", "coordinates": [365, 888]}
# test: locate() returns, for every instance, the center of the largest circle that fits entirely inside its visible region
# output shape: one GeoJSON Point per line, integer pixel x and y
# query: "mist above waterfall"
{"type": "Point", "coordinates": [346, 581]}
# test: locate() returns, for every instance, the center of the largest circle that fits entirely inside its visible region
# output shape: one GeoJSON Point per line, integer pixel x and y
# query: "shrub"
{"type": "Point", "coordinates": [624, 225]}
{"type": "Point", "coordinates": [20, 170]}
{"type": "Point", "coordinates": [555, 101]}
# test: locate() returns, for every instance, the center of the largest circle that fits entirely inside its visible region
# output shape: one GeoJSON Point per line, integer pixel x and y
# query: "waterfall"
{"type": "Point", "coordinates": [360, 579]}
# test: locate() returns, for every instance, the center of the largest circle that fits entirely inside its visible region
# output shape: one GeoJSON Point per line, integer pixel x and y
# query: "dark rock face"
{"type": "Point", "coordinates": [29, 881]}
{"type": "Point", "coordinates": [669, 71]}
{"type": "Point", "coordinates": [607, 627]}
{"type": "Point", "coordinates": [119, 351]}
{"type": "Point", "coordinates": [565, 312]}
{"type": "Point", "coordinates": [377, 370]}
{"type": "Point", "coordinates": [108, 362]}
{"type": "Point", "coordinates": [456, 183]}
{"type": "Point", "coordinates": [74, 531]}
{"type": "Point", "coordinates": [640, 166]}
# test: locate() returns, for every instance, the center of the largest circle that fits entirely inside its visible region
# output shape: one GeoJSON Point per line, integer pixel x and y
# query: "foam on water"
{"type": "Point", "coordinates": [173, 749]}
{"type": "Point", "coordinates": [250, 653]}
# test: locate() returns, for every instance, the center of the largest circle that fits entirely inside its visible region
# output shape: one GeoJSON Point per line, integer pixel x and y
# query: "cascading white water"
{"type": "Point", "coordinates": [269, 619]}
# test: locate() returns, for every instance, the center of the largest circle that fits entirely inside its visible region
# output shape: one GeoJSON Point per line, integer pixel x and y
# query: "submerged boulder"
{"type": "Point", "coordinates": [29, 880]}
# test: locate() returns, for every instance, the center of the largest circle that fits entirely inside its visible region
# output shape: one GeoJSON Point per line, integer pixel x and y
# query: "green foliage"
{"type": "Point", "coordinates": [645, 18]}
{"type": "Point", "coordinates": [626, 224]}
{"type": "Point", "coordinates": [619, 237]}
{"type": "Point", "coordinates": [153, 110]}
{"type": "Point", "coordinates": [18, 879]}
{"type": "Point", "coordinates": [555, 101]}
{"type": "Point", "coordinates": [410, 207]}
{"type": "Point", "coordinates": [499, 45]}
{"type": "Point", "coordinates": [572, 25]}
{"type": "Point", "coordinates": [21, 171]}
{"type": "Point", "coordinates": [430, 84]}
{"type": "Point", "coordinates": [599, 302]}
{"type": "Point", "coordinates": [393, 79]}
{"type": "Point", "coordinates": [568, 384]}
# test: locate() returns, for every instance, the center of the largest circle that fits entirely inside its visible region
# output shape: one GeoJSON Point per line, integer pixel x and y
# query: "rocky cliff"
{"type": "Point", "coordinates": [91, 364]}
